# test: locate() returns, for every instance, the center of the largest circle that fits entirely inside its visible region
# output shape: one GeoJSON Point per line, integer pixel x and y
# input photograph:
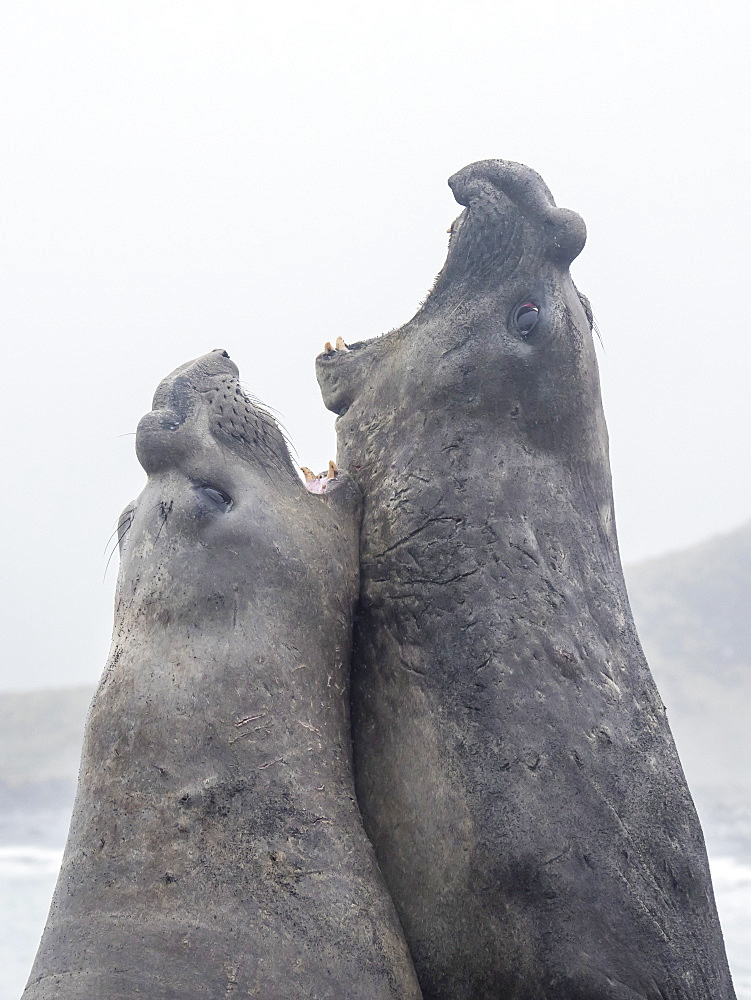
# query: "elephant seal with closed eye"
{"type": "Point", "coordinates": [513, 761]}
{"type": "Point", "coordinates": [216, 848]}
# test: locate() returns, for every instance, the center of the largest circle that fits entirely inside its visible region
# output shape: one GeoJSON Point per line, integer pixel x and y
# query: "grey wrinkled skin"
{"type": "Point", "coordinates": [216, 849]}
{"type": "Point", "coordinates": [513, 760]}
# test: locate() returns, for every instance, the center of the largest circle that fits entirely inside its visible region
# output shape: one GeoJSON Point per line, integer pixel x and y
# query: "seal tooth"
{"type": "Point", "coordinates": [309, 476]}
{"type": "Point", "coordinates": [333, 470]}
{"type": "Point", "coordinates": [327, 348]}
{"type": "Point", "coordinates": [340, 345]}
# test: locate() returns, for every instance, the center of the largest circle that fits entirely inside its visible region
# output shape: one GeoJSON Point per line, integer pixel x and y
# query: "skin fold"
{"type": "Point", "coordinates": [513, 760]}
{"type": "Point", "coordinates": [216, 848]}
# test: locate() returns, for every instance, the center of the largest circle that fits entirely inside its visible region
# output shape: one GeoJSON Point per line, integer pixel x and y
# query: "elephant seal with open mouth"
{"type": "Point", "coordinates": [513, 761]}
{"type": "Point", "coordinates": [216, 848]}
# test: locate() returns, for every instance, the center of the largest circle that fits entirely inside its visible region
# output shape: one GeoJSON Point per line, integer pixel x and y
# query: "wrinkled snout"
{"type": "Point", "coordinates": [162, 435]}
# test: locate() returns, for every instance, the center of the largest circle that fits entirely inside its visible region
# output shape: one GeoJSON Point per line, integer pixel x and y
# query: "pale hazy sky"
{"type": "Point", "coordinates": [181, 176]}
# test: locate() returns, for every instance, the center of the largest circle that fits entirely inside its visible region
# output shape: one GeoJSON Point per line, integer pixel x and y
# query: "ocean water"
{"type": "Point", "coordinates": [732, 886]}
{"type": "Point", "coordinates": [28, 875]}
{"type": "Point", "coordinates": [27, 878]}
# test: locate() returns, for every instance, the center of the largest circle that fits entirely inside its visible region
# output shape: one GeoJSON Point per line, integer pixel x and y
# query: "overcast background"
{"type": "Point", "coordinates": [181, 176]}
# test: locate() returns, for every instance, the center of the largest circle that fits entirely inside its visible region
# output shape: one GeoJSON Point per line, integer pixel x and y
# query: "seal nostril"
{"type": "Point", "coordinates": [220, 350]}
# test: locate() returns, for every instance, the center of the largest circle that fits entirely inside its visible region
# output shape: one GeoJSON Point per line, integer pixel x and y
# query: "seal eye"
{"type": "Point", "coordinates": [525, 317]}
{"type": "Point", "coordinates": [219, 497]}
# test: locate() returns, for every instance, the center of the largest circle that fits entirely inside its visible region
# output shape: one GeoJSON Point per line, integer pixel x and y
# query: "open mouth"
{"type": "Point", "coordinates": [338, 349]}
{"type": "Point", "coordinates": [334, 352]}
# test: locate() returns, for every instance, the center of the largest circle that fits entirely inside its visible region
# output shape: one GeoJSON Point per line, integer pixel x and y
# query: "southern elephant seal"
{"type": "Point", "coordinates": [513, 761]}
{"type": "Point", "coordinates": [216, 848]}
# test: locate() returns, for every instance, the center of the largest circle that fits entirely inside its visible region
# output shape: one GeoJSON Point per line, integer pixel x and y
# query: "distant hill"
{"type": "Point", "coordinates": [693, 613]}
{"type": "Point", "coordinates": [40, 744]}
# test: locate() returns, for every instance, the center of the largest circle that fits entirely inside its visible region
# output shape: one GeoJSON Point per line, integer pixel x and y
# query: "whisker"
{"type": "Point", "coordinates": [271, 456]}
{"type": "Point", "coordinates": [269, 421]}
{"type": "Point", "coordinates": [596, 328]}
{"type": "Point", "coordinates": [127, 515]}
{"type": "Point", "coordinates": [124, 524]}
{"type": "Point", "coordinates": [123, 527]}
{"type": "Point", "coordinates": [252, 396]}
{"type": "Point", "coordinates": [269, 417]}
{"type": "Point", "coordinates": [269, 414]}
{"type": "Point", "coordinates": [115, 548]}
{"type": "Point", "coordinates": [107, 543]}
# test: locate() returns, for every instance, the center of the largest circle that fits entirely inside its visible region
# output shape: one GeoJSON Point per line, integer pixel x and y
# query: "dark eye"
{"type": "Point", "coordinates": [526, 317]}
{"type": "Point", "coordinates": [219, 497]}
